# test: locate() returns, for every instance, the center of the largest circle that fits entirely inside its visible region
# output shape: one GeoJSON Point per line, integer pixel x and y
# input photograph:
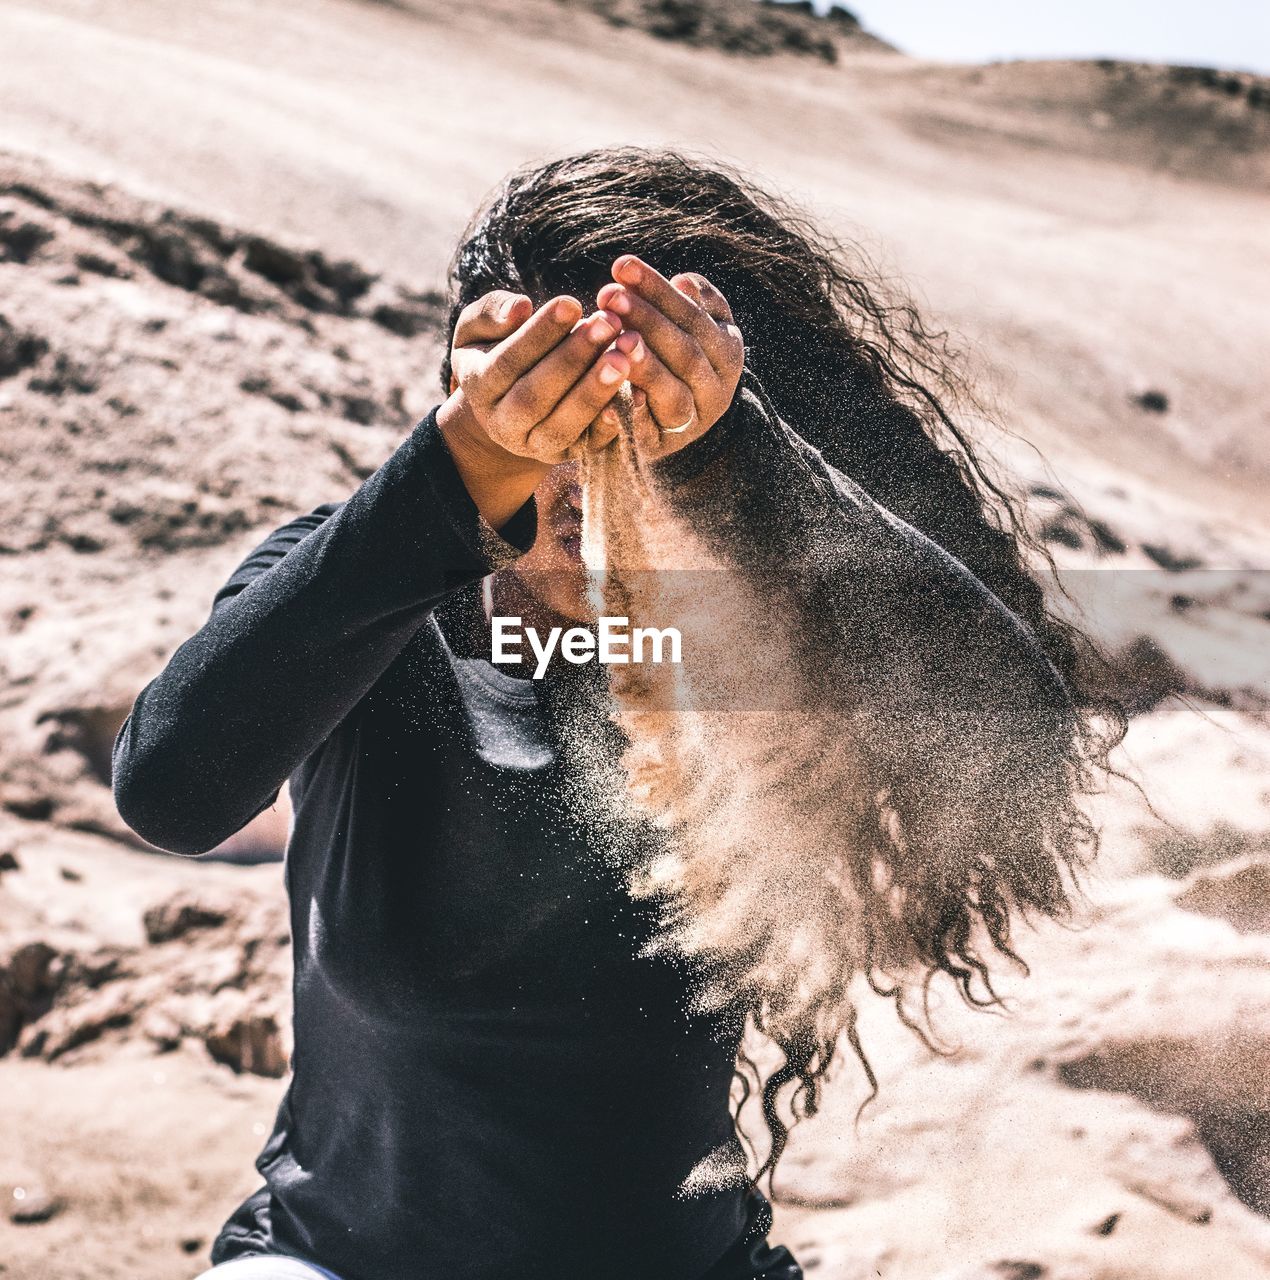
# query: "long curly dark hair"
{"type": "Point", "coordinates": [851, 365]}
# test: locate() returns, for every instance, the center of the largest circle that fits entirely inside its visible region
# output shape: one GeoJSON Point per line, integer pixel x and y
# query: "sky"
{"type": "Point", "coordinates": [1233, 34]}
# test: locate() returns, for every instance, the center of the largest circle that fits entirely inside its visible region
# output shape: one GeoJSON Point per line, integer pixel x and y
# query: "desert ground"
{"type": "Point", "coordinates": [223, 229]}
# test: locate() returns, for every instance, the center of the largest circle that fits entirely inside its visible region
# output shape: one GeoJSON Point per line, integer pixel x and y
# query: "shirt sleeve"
{"type": "Point", "coordinates": [296, 638]}
{"type": "Point", "coordinates": [949, 694]}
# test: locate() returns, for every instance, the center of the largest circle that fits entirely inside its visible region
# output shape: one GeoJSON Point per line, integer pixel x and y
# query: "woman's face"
{"type": "Point", "coordinates": [552, 569]}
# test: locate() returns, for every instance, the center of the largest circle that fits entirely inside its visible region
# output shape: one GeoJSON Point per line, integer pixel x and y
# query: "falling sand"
{"type": "Point", "coordinates": [793, 863]}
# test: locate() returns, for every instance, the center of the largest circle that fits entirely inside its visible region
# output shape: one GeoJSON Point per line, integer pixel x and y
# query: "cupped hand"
{"type": "Point", "coordinates": [526, 386]}
{"type": "Point", "coordinates": [533, 383]}
{"type": "Point", "coordinates": [685, 352]}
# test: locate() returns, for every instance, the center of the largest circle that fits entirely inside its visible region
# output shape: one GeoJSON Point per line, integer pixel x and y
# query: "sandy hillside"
{"type": "Point", "coordinates": [222, 227]}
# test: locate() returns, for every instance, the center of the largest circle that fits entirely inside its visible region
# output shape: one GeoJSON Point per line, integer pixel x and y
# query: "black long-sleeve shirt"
{"type": "Point", "coordinates": [489, 1078]}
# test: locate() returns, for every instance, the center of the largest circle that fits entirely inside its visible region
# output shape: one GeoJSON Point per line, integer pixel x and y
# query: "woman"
{"type": "Point", "coordinates": [491, 1076]}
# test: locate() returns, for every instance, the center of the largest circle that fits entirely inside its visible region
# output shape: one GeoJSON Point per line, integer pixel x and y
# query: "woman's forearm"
{"type": "Point", "coordinates": [498, 482]}
{"type": "Point", "coordinates": [284, 658]}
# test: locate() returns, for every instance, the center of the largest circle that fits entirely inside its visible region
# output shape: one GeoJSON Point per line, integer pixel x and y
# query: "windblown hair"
{"type": "Point", "coordinates": [852, 367]}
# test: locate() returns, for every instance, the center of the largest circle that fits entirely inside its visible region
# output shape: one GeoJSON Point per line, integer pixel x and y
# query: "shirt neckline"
{"type": "Point", "coordinates": [514, 688]}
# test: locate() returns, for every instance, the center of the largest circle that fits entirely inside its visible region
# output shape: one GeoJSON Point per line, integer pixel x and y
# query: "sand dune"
{"type": "Point", "coordinates": [1096, 231]}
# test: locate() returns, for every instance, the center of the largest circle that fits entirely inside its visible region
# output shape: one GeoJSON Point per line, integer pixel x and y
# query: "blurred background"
{"type": "Point", "coordinates": [224, 232]}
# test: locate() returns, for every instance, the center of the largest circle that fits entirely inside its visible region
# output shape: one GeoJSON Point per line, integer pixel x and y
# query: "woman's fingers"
{"type": "Point", "coordinates": [604, 427]}
{"type": "Point", "coordinates": [519, 352]}
{"type": "Point", "coordinates": [540, 385]}
{"type": "Point", "coordinates": [651, 284]}
{"type": "Point", "coordinates": [579, 407]}
{"type": "Point", "coordinates": [704, 294]}
{"type": "Point", "coordinates": [651, 440]}
{"type": "Point", "coordinates": [609, 422]}
{"type": "Point", "coordinates": [714, 304]}
{"type": "Point", "coordinates": [541, 379]}
{"type": "Point", "coordinates": [491, 317]}
{"type": "Point", "coordinates": [649, 291]}
{"type": "Point", "coordinates": [534, 395]}
{"type": "Point", "coordinates": [674, 346]}
{"type": "Point", "coordinates": [670, 398]}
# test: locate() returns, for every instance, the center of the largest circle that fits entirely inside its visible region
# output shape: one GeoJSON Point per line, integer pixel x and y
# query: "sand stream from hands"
{"type": "Point", "coordinates": [822, 827]}
{"type": "Point", "coordinates": [753, 793]}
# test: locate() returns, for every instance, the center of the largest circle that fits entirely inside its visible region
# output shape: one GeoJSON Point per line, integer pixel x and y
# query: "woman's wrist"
{"type": "Point", "coordinates": [498, 482]}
